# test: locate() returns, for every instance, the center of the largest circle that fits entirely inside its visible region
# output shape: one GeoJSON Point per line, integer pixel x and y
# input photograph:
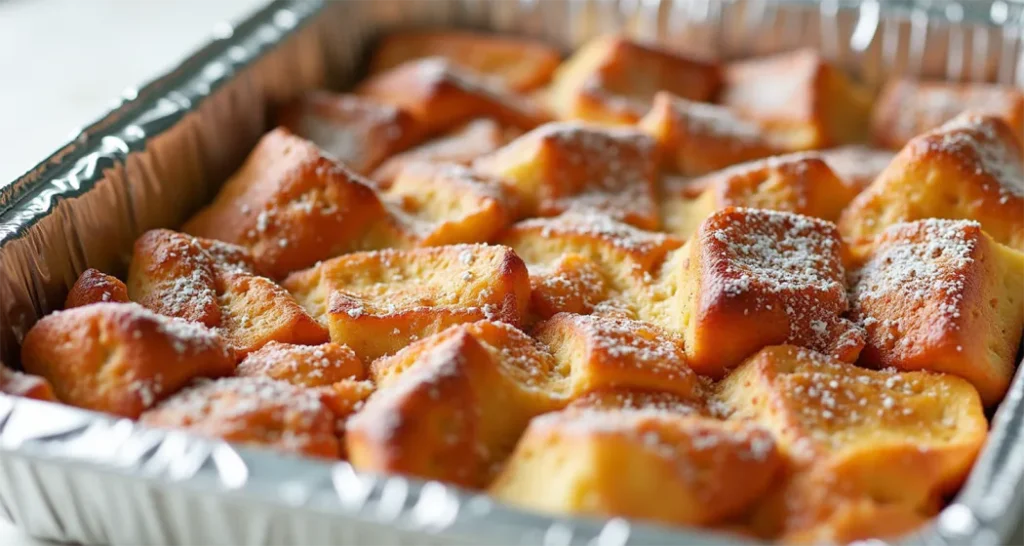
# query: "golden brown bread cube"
{"type": "Point", "coordinates": [292, 206]}
{"type": "Point", "coordinates": [800, 98]}
{"type": "Point", "coordinates": [970, 168]}
{"type": "Point", "coordinates": [858, 165]}
{"type": "Point", "coordinates": [94, 286]}
{"type": "Point", "coordinates": [213, 283]}
{"type": "Point", "coordinates": [121, 358]}
{"type": "Point", "coordinates": [567, 254]}
{"type": "Point", "coordinates": [16, 383]}
{"type": "Point", "coordinates": [444, 203]}
{"type": "Point", "coordinates": [441, 96]}
{"type": "Point", "coordinates": [641, 401]}
{"type": "Point", "coordinates": [572, 284]}
{"type": "Point", "coordinates": [801, 183]}
{"type": "Point", "coordinates": [176, 274]}
{"type": "Point", "coordinates": [516, 63]}
{"type": "Point", "coordinates": [344, 398]}
{"type": "Point", "coordinates": [451, 406]}
{"type": "Point", "coordinates": [359, 132]}
{"type": "Point", "coordinates": [655, 465]}
{"type": "Point", "coordinates": [852, 434]}
{"type": "Point", "coordinates": [304, 365]}
{"type": "Point", "coordinates": [581, 167]}
{"type": "Point", "coordinates": [378, 302]}
{"type": "Point", "coordinates": [842, 520]}
{"type": "Point", "coordinates": [697, 138]}
{"type": "Point", "coordinates": [610, 353]}
{"type": "Point", "coordinates": [906, 108]}
{"type": "Point", "coordinates": [613, 79]}
{"type": "Point", "coordinates": [252, 410]}
{"type": "Point", "coordinates": [751, 278]}
{"type": "Point", "coordinates": [941, 295]}
{"type": "Point", "coordinates": [627, 258]}
{"type": "Point", "coordinates": [256, 311]}
{"type": "Point", "coordinates": [462, 145]}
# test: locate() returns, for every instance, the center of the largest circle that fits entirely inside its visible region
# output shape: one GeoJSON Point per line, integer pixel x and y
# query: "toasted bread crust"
{"type": "Point", "coordinates": [121, 358]}
{"type": "Point", "coordinates": [94, 286]}
{"type": "Point", "coordinates": [515, 63]}
{"type": "Point", "coordinates": [613, 80]}
{"type": "Point", "coordinates": [253, 410]}
{"type": "Point", "coordinates": [969, 168]}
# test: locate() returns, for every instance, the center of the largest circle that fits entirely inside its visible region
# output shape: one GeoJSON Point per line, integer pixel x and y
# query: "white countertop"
{"type": "Point", "coordinates": [62, 62]}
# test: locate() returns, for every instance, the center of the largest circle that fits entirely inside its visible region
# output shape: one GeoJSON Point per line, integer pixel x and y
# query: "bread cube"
{"type": "Point", "coordinates": [626, 254]}
{"type": "Point", "coordinates": [852, 435]}
{"type": "Point", "coordinates": [666, 467]}
{"type": "Point", "coordinates": [858, 165]}
{"type": "Point", "coordinates": [799, 183]}
{"type": "Point", "coordinates": [752, 278]}
{"type": "Point", "coordinates": [451, 406]}
{"type": "Point", "coordinates": [256, 311]}
{"type": "Point", "coordinates": [517, 63]}
{"type": "Point", "coordinates": [462, 145]}
{"type": "Point", "coordinates": [613, 79]}
{"type": "Point", "coordinates": [571, 284]}
{"type": "Point", "coordinates": [800, 98]}
{"type": "Point", "coordinates": [846, 521]}
{"type": "Point", "coordinates": [634, 400]}
{"type": "Point", "coordinates": [304, 365]}
{"type": "Point", "coordinates": [121, 358]}
{"type": "Point", "coordinates": [344, 398]}
{"type": "Point", "coordinates": [609, 353]}
{"type": "Point", "coordinates": [94, 286]}
{"type": "Point", "coordinates": [359, 132]}
{"type": "Point", "coordinates": [15, 383]}
{"type": "Point", "coordinates": [441, 95]}
{"type": "Point", "coordinates": [378, 302]}
{"type": "Point", "coordinates": [581, 167]}
{"type": "Point", "coordinates": [441, 204]}
{"type": "Point", "coordinates": [253, 410]}
{"type": "Point", "coordinates": [970, 168]}
{"type": "Point", "coordinates": [175, 274]}
{"type": "Point", "coordinates": [213, 283]}
{"type": "Point", "coordinates": [292, 206]}
{"type": "Point", "coordinates": [941, 295]}
{"type": "Point", "coordinates": [906, 108]}
{"type": "Point", "coordinates": [697, 138]}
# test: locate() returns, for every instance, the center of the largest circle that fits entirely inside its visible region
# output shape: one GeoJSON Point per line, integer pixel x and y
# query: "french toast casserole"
{"type": "Point", "coordinates": [751, 296]}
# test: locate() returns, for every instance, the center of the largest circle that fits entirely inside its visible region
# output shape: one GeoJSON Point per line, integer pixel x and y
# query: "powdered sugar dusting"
{"type": "Point", "coordinates": [778, 261]}
{"type": "Point", "coordinates": [668, 434]}
{"type": "Point", "coordinates": [256, 409]}
{"type": "Point", "coordinates": [598, 226]}
{"type": "Point", "coordinates": [914, 263]}
{"type": "Point", "coordinates": [831, 405]}
{"type": "Point", "coordinates": [644, 345]}
{"type": "Point", "coordinates": [712, 120]}
{"type": "Point", "coordinates": [777, 251]}
{"type": "Point", "coordinates": [614, 167]}
{"type": "Point", "coordinates": [976, 140]}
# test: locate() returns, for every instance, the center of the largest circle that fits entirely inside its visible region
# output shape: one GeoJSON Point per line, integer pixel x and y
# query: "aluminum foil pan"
{"type": "Point", "coordinates": [73, 475]}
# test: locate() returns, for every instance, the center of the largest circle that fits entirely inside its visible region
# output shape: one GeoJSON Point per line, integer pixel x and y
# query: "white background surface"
{"type": "Point", "coordinates": [62, 62]}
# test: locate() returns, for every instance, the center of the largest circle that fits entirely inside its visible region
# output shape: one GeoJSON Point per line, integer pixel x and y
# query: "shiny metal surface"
{"type": "Point", "coordinates": [73, 475]}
